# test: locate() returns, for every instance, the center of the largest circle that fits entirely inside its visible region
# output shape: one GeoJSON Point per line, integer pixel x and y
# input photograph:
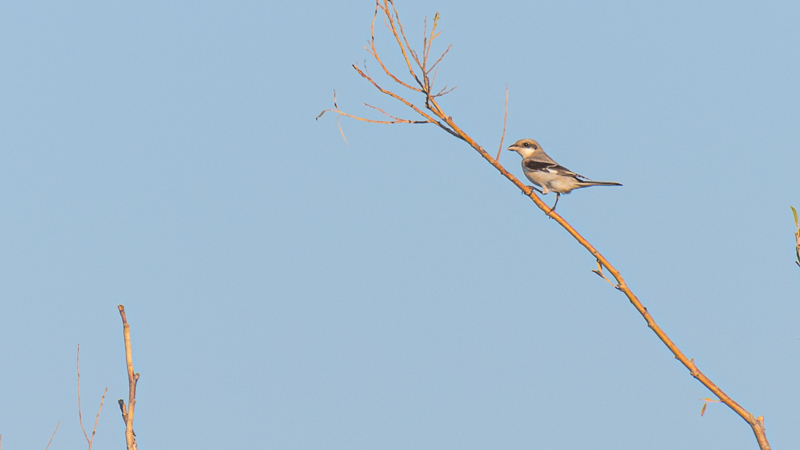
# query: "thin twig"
{"type": "Point", "coordinates": [339, 124]}
{"type": "Point", "coordinates": [433, 79]}
{"type": "Point", "coordinates": [440, 58]}
{"type": "Point", "coordinates": [425, 42]}
{"type": "Point", "coordinates": [78, 368]}
{"type": "Point", "coordinates": [48, 442]}
{"type": "Point", "coordinates": [97, 418]}
{"type": "Point", "coordinates": [341, 113]}
{"type": "Point", "coordinates": [505, 118]}
{"type": "Point", "coordinates": [362, 119]}
{"type": "Point", "coordinates": [396, 119]}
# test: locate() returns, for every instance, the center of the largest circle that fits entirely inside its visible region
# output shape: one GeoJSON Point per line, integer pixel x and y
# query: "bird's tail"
{"type": "Point", "coordinates": [600, 183]}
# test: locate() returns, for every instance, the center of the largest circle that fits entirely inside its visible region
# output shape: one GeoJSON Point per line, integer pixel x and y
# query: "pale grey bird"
{"type": "Point", "coordinates": [548, 174]}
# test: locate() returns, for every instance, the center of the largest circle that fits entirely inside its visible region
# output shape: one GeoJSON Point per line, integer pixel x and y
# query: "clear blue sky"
{"type": "Point", "coordinates": [287, 290]}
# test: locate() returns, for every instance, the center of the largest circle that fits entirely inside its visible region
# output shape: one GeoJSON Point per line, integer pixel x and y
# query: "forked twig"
{"type": "Point", "coordinates": [437, 116]}
{"type": "Point", "coordinates": [80, 417]}
{"type": "Point", "coordinates": [444, 91]}
{"type": "Point", "coordinates": [416, 109]}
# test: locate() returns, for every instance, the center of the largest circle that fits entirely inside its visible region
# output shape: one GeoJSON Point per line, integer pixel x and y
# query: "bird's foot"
{"type": "Point", "coordinates": [532, 188]}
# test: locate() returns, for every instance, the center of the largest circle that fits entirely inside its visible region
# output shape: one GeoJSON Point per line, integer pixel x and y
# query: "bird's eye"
{"type": "Point", "coordinates": [527, 144]}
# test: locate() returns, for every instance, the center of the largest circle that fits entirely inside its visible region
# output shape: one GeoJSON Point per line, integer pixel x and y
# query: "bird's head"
{"type": "Point", "coordinates": [525, 147]}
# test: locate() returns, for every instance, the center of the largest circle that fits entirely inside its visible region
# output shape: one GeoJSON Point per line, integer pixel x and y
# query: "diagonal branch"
{"type": "Point", "coordinates": [437, 116]}
{"type": "Point", "coordinates": [756, 423]}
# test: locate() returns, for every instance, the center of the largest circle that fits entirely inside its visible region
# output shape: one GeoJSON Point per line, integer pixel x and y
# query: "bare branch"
{"type": "Point", "coordinates": [406, 102]}
{"type": "Point", "coordinates": [133, 379]}
{"type": "Point", "coordinates": [341, 114]}
{"type": "Point", "coordinates": [362, 119]}
{"type": "Point", "coordinates": [440, 118]}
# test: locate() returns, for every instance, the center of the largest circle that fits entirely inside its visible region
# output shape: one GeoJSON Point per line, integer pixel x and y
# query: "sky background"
{"type": "Point", "coordinates": [288, 290]}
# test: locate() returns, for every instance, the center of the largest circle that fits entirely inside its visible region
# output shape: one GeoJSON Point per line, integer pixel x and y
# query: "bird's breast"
{"type": "Point", "coordinates": [553, 182]}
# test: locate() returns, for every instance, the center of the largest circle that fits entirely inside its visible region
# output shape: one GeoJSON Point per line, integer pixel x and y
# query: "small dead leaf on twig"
{"type": "Point", "coordinates": [599, 272]}
{"type": "Point", "coordinates": [706, 401]}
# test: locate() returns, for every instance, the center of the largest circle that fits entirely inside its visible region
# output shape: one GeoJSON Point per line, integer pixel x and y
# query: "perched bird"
{"type": "Point", "coordinates": [548, 174]}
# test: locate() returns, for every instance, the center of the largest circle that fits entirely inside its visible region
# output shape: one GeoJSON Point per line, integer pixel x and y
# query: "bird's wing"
{"type": "Point", "coordinates": [539, 166]}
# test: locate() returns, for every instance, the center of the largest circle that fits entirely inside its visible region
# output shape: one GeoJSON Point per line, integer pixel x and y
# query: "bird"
{"type": "Point", "coordinates": [548, 174]}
